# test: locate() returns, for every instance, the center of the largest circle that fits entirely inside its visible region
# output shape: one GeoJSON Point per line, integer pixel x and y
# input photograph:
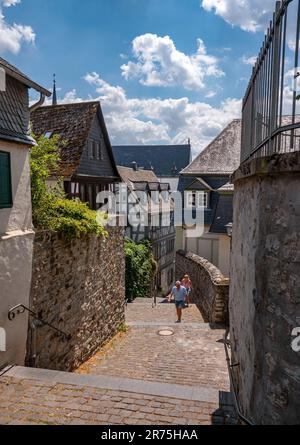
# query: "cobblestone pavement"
{"type": "Point", "coordinates": [189, 366]}
{"type": "Point", "coordinates": [193, 356]}
{"type": "Point", "coordinates": [32, 402]}
{"type": "Point", "coordinates": [163, 313]}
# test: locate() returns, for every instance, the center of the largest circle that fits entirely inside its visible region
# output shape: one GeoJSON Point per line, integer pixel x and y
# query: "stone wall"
{"type": "Point", "coordinates": [210, 287]}
{"type": "Point", "coordinates": [77, 286]}
{"type": "Point", "coordinates": [265, 288]}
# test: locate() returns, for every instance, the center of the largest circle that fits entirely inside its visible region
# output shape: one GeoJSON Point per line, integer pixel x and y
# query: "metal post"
{"type": "Point", "coordinates": [275, 69]}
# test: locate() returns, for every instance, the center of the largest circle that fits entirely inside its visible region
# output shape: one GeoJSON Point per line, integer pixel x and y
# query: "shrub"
{"type": "Point", "coordinates": [140, 269]}
{"type": "Point", "coordinates": [50, 208]}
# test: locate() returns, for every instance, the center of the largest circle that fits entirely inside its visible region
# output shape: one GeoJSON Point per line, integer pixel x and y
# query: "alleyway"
{"type": "Point", "coordinates": [142, 377]}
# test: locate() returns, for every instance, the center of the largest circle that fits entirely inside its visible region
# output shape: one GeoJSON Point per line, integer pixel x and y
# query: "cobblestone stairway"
{"type": "Point", "coordinates": [141, 378]}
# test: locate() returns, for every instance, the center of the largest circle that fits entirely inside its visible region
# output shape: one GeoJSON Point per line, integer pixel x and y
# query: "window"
{"type": "Point", "coordinates": [102, 148]}
{"type": "Point", "coordinates": [191, 199]}
{"type": "Point", "coordinates": [97, 150]}
{"type": "Point", "coordinates": [91, 149]}
{"type": "Point", "coordinates": [75, 190]}
{"type": "Point", "coordinates": [203, 200]}
{"type": "Point", "coordinates": [48, 134]}
{"type": "Point", "coordinates": [5, 181]}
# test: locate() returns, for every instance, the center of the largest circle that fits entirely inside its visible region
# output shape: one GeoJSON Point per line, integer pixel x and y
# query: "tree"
{"type": "Point", "coordinates": [141, 268]}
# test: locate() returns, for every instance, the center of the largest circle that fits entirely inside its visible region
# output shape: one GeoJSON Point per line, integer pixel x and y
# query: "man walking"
{"type": "Point", "coordinates": [180, 294]}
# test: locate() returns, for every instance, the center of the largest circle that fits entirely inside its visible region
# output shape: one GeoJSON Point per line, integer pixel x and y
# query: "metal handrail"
{"type": "Point", "coordinates": [263, 104]}
{"type": "Point", "coordinates": [230, 366]}
{"type": "Point", "coordinates": [21, 309]}
{"type": "Point", "coordinates": [274, 135]}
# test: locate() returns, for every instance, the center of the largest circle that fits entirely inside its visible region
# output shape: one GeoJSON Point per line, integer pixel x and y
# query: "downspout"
{"type": "Point", "coordinates": [38, 104]}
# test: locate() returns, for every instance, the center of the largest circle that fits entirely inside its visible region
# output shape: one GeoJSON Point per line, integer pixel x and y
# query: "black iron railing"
{"type": "Point", "coordinates": [21, 309]}
{"type": "Point", "coordinates": [271, 107]}
{"type": "Point", "coordinates": [243, 419]}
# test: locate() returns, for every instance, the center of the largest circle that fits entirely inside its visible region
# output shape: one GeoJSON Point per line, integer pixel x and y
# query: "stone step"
{"type": "Point", "coordinates": [172, 391]}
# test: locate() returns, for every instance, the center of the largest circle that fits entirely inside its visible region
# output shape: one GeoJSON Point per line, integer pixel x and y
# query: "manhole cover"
{"type": "Point", "coordinates": [166, 332]}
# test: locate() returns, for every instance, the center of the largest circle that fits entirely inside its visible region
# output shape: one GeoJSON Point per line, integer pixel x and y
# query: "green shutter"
{"type": "Point", "coordinates": [5, 181]}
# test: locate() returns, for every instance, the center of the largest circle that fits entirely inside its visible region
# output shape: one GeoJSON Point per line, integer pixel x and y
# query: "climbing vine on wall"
{"type": "Point", "coordinates": [51, 210]}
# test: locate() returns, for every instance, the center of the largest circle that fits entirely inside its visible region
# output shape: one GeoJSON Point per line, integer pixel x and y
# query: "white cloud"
{"type": "Point", "coordinates": [249, 15]}
{"type": "Point", "coordinates": [7, 3]}
{"type": "Point", "coordinates": [12, 36]}
{"type": "Point", "coordinates": [211, 94]}
{"type": "Point", "coordinates": [147, 121]}
{"type": "Point", "coordinates": [160, 63]}
{"type": "Point", "coordinates": [249, 60]}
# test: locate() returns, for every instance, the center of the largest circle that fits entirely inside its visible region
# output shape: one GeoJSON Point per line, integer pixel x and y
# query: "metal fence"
{"type": "Point", "coordinates": [271, 107]}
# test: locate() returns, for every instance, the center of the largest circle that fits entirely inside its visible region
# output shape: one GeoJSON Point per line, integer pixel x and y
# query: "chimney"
{"type": "Point", "coordinates": [135, 166]}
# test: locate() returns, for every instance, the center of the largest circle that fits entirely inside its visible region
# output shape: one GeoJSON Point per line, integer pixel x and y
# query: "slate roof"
{"type": "Point", "coordinates": [130, 176]}
{"type": "Point", "coordinates": [223, 214]}
{"type": "Point", "coordinates": [222, 156]}
{"type": "Point", "coordinates": [226, 188]}
{"type": "Point", "coordinates": [72, 122]}
{"type": "Point", "coordinates": [18, 75]}
{"type": "Point", "coordinates": [161, 158]}
{"type": "Point", "coordinates": [14, 105]}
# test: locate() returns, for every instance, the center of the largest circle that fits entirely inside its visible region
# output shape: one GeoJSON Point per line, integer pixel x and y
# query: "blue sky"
{"type": "Point", "coordinates": [142, 58]}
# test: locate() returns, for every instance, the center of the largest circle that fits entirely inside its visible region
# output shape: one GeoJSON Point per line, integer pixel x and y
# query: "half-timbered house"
{"type": "Point", "coordinates": [87, 164]}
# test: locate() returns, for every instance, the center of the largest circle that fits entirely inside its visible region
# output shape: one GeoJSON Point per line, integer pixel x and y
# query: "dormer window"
{"type": "Point", "coordinates": [197, 199]}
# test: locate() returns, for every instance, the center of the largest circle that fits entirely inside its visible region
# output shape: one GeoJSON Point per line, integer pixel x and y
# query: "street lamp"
{"type": "Point", "coordinates": [229, 228]}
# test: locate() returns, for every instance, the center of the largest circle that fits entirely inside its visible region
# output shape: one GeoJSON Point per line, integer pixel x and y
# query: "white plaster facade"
{"type": "Point", "coordinates": [16, 248]}
{"type": "Point", "coordinates": [214, 247]}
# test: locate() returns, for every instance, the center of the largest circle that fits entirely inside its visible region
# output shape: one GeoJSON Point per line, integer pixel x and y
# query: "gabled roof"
{"type": "Point", "coordinates": [199, 184]}
{"type": "Point", "coordinates": [12, 71]}
{"type": "Point", "coordinates": [164, 160]}
{"type": "Point", "coordinates": [72, 122]}
{"type": "Point", "coordinates": [222, 156]}
{"type": "Point", "coordinates": [131, 176]}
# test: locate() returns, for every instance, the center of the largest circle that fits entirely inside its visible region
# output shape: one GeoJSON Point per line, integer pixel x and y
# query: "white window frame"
{"type": "Point", "coordinates": [197, 199]}
{"type": "Point", "coordinates": [203, 200]}
{"type": "Point", "coordinates": [190, 199]}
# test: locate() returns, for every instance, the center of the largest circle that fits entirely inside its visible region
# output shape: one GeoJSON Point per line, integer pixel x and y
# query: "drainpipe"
{"type": "Point", "coordinates": [38, 104]}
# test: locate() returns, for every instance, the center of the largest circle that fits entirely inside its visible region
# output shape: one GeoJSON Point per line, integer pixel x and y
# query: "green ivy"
{"type": "Point", "coordinates": [51, 210]}
{"type": "Point", "coordinates": [141, 268]}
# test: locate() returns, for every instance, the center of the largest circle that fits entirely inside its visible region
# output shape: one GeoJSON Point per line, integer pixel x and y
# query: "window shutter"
{"type": "Point", "coordinates": [5, 181]}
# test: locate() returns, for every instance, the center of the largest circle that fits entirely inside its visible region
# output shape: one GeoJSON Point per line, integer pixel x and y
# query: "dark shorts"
{"type": "Point", "coordinates": [180, 304]}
